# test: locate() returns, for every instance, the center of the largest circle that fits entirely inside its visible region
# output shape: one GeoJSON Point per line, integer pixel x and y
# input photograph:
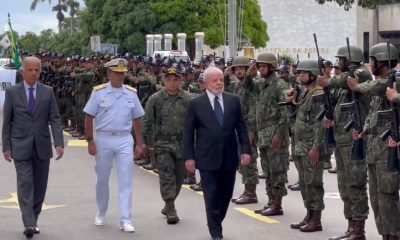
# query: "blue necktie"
{"type": "Point", "coordinates": [218, 111]}
{"type": "Point", "coordinates": [31, 100]}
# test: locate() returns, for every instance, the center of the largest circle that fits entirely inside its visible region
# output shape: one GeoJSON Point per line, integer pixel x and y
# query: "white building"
{"type": "Point", "coordinates": [291, 24]}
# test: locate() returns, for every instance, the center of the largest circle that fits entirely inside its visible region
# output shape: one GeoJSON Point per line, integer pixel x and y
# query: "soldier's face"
{"type": "Point", "coordinates": [240, 72]}
{"type": "Point", "coordinates": [263, 68]}
{"type": "Point", "coordinates": [343, 64]}
{"type": "Point", "coordinates": [304, 77]}
{"type": "Point", "coordinates": [172, 83]}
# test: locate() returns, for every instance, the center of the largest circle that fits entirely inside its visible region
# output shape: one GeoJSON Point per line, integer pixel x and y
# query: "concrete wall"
{"type": "Point", "coordinates": [291, 24]}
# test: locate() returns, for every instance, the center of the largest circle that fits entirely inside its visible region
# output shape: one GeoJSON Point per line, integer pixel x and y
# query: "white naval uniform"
{"type": "Point", "coordinates": [114, 110]}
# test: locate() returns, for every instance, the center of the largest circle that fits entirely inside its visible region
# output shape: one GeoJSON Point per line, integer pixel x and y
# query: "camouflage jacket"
{"type": "Point", "coordinates": [163, 122]}
{"type": "Point", "coordinates": [343, 95]}
{"type": "Point", "coordinates": [374, 127]}
{"type": "Point", "coordinates": [270, 118]}
{"type": "Point", "coordinates": [309, 131]}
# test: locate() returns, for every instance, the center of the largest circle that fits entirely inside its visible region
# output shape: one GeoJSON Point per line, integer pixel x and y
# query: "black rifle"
{"type": "Point", "coordinates": [356, 122]}
{"type": "Point", "coordinates": [326, 99]}
{"type": "Point", "coordinates": [393, 117]}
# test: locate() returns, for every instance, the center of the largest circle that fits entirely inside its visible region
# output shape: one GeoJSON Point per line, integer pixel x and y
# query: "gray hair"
{"type": "Point", "coordinates": [210, 71]}
{"type": "Point", "coordinates": [30, 59]}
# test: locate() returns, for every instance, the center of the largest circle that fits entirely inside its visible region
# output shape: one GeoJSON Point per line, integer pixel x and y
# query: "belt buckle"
{"type": "Point", "coordinates": [114, 133]}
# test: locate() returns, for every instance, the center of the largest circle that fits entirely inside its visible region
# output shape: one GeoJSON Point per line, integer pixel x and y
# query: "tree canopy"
{"type": "Point", "coordinates": [347, 4]}
{"type": "Point", "coordinates": [127, 22]}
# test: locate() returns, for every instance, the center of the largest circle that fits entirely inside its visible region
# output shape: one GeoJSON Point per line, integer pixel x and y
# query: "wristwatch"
{"type": "Point", "coordinates": [89, 139]}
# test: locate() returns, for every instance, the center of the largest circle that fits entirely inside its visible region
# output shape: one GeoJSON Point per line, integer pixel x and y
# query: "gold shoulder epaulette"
{"type": "Point", "coordinates": [130, 88]}
{"type": "Point", "coordinates": [99, 87]}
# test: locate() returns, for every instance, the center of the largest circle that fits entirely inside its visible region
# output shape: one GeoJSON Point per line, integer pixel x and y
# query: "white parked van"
{"type": "Point", "coordinates": [175, 54]}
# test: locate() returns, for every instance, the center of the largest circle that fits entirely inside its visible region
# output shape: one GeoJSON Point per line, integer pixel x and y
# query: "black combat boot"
{"type": "Point", "coordinates": [302, 222]}
{"type": "Point", "coordinates": [249, 195]}
{"type": "Point", "coordinates": [345, 234]}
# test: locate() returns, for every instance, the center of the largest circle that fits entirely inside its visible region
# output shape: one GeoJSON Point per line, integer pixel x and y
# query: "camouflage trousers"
{"type": "Point", "coordinates": [62, 108]}
{"type": "Point", "coordinates": [70, 112]}
{"type": "Point", "coordinates": [274, 165]}
{"type": "Point", "coordinates": [250, 172]}
{"type": "Point", "coordinates": [171, 173]}
{"type": "Point", "coordinates": [384, 196]}
{"type": "Point", "coordinates": [80, 116]}
{"type": "Point", "coordinates": [352, 183]}
{"type": "Point", "coordinates": [311, 183]}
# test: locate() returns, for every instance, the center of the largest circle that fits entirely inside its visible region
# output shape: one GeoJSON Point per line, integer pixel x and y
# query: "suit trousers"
{"type": "Point", "coordinates": [218, 189]}
{"type": "Point", "coordinates": [32, 176]}
{"type": "Point", "coordinates": [119, 148]}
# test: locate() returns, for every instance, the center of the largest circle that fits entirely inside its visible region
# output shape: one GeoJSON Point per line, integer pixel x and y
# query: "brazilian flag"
{"type": "Point", "coordinates": [15, 55]}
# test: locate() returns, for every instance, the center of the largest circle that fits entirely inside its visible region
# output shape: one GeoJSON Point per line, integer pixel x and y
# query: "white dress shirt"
{"type": "Point", "coordinates": [211, 97]}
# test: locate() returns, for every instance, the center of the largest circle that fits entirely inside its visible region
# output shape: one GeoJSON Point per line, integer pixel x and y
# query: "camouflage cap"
{"type": "Point", "coordinates": [172, 71]}
{"type": "Point", "coordinates": [117, 65]}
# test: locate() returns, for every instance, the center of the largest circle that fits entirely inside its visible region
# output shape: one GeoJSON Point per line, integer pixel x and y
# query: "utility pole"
{"type": "Point", "coordinates": [232, 28]}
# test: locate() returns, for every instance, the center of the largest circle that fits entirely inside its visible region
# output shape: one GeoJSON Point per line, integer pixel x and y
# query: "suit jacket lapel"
{"type": "Point", "coordinates": [38, 95]}
{"type": "Point", "coordinates": [226, 106]}
{"type": "Point", "coordinates": [22, 95]}
{"type": "Point", "coordinates": [209, 110]}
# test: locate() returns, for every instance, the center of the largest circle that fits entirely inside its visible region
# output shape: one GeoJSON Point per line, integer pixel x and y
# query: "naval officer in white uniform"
{"type": "Point", "coordinates": [116, 109]}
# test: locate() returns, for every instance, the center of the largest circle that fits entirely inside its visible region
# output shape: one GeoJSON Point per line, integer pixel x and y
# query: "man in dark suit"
{"type": "Point", "coordinates": [29, 108]}
{"type": "Point", "coordinates": [214, 123]}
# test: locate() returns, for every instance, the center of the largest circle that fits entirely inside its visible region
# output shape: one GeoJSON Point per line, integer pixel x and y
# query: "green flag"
{"type": "Point", "coordinates": [15, 56]}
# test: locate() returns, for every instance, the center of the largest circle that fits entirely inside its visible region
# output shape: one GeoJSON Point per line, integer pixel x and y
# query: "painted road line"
{"type": "Point", "coordinates": [77, 143]}
{"type": "Point", "coordinates": [259, 217]}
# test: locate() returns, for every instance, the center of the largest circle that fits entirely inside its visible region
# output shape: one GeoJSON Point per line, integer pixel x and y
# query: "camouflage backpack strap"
{"type": "Point", "coordinates": [309, 95]}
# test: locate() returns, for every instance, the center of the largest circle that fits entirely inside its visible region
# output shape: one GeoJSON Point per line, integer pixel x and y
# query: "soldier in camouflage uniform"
{"type": "Point", "coordinates": [383, 182]}
{"type": "Point", "coordinates": [188, 79]}
{"type": "Point", "coordinates": [155, 78]}
{"type": "Point", "coordinates": [246, 96]}
{"type": "Point", "coordinates": [351, 173]}
{"type": "Point", "coordinates": [309, 137]}
{"type": "Point", "coordinates": [272, 124]}
{"type": "Point", "coordinates": [146, 86]}
{"type": "Point", "coordinates": [85, 81]}
{"type": "Point", "coordinates": [193, 88]}
{"type": "Point", "coordinates": [163, 126]}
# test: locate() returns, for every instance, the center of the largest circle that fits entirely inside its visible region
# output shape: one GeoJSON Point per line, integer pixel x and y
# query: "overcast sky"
{"type": "Point", "coordinates": [24, 20]}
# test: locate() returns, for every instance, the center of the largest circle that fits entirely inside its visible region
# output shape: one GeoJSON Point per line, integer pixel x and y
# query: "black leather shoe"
{"type": "Point", "coordinates": [294, 187]}
{"type": "Point", "coordinates": [37, 230]}
{"type": "Point", "coordinates": [29, 231]}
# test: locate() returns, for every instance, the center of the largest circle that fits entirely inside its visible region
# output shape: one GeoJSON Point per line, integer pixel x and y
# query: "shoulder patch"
{"type": "Point", "coordinates": [99, 87]}
{"type": "Point", "coordinates": [130, 88]}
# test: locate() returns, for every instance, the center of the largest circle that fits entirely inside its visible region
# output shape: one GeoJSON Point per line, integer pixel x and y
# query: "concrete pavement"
{"type": "Point", "coordinates": [72, 183]}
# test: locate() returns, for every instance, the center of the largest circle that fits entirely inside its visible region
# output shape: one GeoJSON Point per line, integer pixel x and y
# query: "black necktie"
{"type": "Point", "coordinates": [218, 111]}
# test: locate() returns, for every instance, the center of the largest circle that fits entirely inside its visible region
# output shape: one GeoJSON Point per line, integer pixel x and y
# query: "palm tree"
{"type": "Point", "coordinates": [59, 8]}
{"type": "Point", "coordinates": [73, 9]}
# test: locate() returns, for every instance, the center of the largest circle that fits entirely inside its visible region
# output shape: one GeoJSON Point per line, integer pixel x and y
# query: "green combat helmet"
{"type": "Point", "coordinates": [268, 58]}
{"type": "Point", "coordinates": [356, 53]}
{"type": "Point", "coordinates": [241, 61]}
{"type": "Point", "coordinates": [380, 52]}
{"type": "Point", "coordinates": [310, 66]}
